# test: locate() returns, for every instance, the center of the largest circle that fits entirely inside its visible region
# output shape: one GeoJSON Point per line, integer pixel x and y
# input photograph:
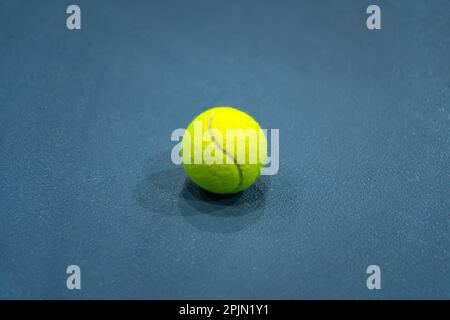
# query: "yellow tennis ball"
{"type": "Point", "coordinates": [223, 150]}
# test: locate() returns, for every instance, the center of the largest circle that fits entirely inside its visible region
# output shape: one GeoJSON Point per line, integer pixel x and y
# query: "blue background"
{"type": "Point", "coordinates": [85, 170]}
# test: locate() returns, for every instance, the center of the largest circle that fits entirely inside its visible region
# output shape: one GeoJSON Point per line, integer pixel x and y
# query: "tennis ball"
{"type": "Point", "coordinates": [223, 150]}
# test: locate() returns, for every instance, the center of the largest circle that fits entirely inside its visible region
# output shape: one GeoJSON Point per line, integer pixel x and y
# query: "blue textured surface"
{"type": "Point", "coordinates": [85, 169]}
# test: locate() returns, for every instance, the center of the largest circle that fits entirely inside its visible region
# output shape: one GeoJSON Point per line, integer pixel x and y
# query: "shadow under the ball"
{"type": "Point", "coordinates": [162, 191]}
{"type": "Point", "coordinates": [157, 192]}
{"type": "Point", "coordinates": [222, 213]}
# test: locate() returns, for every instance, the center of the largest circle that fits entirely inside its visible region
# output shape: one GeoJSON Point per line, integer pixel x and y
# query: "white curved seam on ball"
{"type": "Point", "coordinates": [218, 146]}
